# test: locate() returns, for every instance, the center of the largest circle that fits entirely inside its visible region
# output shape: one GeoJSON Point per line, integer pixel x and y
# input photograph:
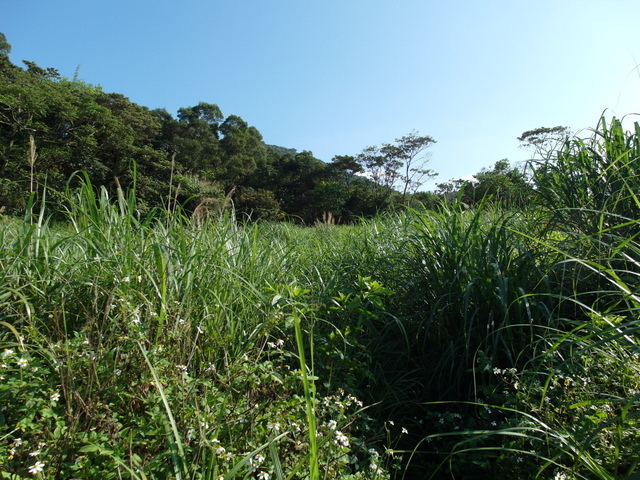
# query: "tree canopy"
{"type": "Point", "coordinates": [52, 127]}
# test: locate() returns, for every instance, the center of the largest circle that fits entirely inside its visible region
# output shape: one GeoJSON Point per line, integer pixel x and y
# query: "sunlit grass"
{"type": "Point", "coordinates": [462, 342]}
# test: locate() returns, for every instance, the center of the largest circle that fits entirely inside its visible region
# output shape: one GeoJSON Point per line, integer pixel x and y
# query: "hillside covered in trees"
{"type": "Point", "coordinates": [51, 127]}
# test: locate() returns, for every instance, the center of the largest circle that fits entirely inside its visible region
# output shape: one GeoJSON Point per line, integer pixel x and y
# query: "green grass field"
{"type": "Point", "coordinates": [458, 343]}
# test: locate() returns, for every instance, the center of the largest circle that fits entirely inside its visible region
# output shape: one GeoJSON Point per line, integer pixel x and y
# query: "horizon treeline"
{"type": "Point", "coordinates": [52, 127]}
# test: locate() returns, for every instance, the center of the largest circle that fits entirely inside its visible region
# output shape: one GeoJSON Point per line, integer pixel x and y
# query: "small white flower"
{"type": "Point", "coordinates": [263, 476]}
{"type": "Point", "coordinates": [17, 442]}
{"type": "Point", "coordinates": [341, 439]}
{"type": "Point", "coordinates": [405, 431]}
{"type": "Point", "coordinates": [182, 368]}
{"type": "Point", "coordinates": [126, 279]}
{"type": "Point", "coordinates": [55, 397]}
{"type": "Point", "coordinates": [6, 352]}
{"type": "Point", "coordinates": [275, 426]}
{"type": "Point", "coordinates": [22, 362]}
{"type": "Point", "coordinates": [36, 468]}
{"type": "Point", "coordinates": [34, 454]}
{"type": "Point", "coordinates": [332, 424]}
{"type": "Point", "coordinates": [220, 450]}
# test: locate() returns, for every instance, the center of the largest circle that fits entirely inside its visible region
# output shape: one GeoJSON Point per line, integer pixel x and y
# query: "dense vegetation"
{"type": "Point", "coordinates": [52, 126]}
{"type": "Point", "coordinates": [475, 339]}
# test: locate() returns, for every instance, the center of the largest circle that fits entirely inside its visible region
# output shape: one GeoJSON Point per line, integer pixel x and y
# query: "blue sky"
{"type": "Point", "coordinates": [336, 76]}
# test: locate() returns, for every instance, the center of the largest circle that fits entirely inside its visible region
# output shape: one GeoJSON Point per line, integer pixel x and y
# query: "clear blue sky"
{"type": "Point", "coordinates": [336, 76]}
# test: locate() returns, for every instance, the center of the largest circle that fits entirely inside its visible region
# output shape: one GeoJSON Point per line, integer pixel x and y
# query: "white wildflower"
{"type": "Point", "coordinates": [341, 439]}
{"type": "Point", "coordinates": [275, 426]}
{"type": "Point", "coordinates": [36, 468]}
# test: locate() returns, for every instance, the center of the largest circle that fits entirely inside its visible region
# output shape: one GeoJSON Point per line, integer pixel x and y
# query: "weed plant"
{"type": "Point", "coordinates": [467, 343]}
{"type": "Point", "coordinates": [150, 347]}
{"type": "Point", "coordinates": [569, 411]}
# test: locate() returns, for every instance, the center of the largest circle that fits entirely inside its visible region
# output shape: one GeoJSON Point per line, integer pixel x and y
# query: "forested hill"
{"type": "Point", "coordinates": [51, 127]}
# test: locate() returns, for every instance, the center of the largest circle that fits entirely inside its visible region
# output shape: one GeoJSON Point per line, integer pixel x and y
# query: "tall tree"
{"type": "Point", "coordinates": [194, 137]}
{"type": "Point", "coordinates": [242, 148]}
{"type": "Point", "coordinates": [381, 166]}
{"type": "Point", "coordinates": [410, 150]}
{"type": "Point", "coordinates": [544, 140]}
{"type": "Point", "coordinates": [346, 167]}
{"type": "Point", "coordinates": [401, 164]}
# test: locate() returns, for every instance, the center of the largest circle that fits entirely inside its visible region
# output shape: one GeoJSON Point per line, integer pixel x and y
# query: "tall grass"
{"type": "Point", "coordinates": [569, 408]}
{"type": "Point", "coordinates": [477, 342]}
{"type": "Point", "coordinates": [590, 185]}
{"type": "Point", "coordinates": [149, 347]}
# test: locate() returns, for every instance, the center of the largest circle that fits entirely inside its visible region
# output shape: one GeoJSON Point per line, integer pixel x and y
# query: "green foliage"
{"type": "Point", "coordinates": [591, 185]}
{"type": "Point", "coordinates": [570, 409]}
{"type": "Point", "coordinates": [488, 338]}
{"type": "Point", "coordinates": [503, 184]}
{"type": "Point", "coordinates": [51, 127]}
{"type": "Point", "coordinates": [150, 347]}
{"type": "Point", "coordinates": [402, 163]}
